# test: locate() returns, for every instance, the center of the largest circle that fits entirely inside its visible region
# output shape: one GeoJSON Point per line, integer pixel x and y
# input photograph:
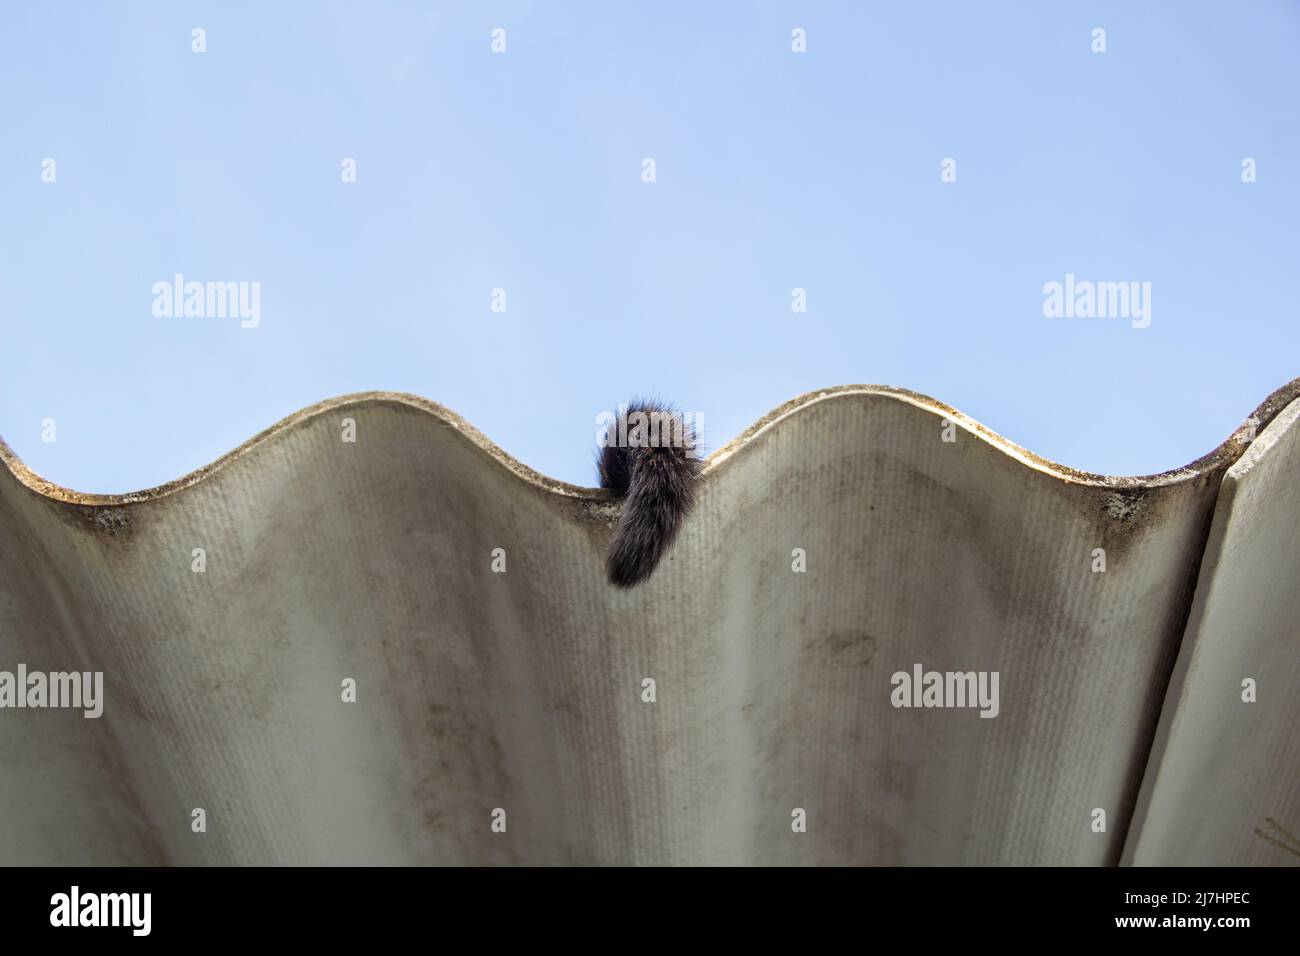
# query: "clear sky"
{"type": "Point", "coordinates": [523, 170]}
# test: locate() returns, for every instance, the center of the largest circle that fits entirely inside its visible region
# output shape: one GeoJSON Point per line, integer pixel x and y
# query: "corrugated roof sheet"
{"type": "Point", "coordinates": [523, 691]}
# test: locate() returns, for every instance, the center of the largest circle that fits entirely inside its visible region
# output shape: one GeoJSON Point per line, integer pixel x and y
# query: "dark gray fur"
{"type": "Point", "coordinates": [657, 485]}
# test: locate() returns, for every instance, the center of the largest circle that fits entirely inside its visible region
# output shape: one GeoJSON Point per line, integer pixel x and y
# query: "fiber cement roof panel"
{"type": "Point", "coordinates": [522, 691]}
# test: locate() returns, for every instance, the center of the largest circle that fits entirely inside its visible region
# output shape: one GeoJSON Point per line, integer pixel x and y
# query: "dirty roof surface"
{"type": "Point", "coordinates": [524, 692]}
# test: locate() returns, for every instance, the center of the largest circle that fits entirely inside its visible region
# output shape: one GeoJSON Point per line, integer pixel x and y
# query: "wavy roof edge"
{"type": "Point", "coordinates": [1218, 459]}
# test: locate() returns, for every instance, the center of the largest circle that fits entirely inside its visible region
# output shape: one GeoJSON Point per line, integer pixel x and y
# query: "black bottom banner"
{"type": "Point", "coordinates": [984, 906]}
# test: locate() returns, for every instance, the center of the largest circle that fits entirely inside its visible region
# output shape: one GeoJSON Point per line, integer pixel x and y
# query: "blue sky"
{"type": "Point", "coordinates": [523, 170]}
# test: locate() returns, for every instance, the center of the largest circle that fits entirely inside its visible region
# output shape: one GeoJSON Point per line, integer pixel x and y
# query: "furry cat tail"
{"type": "Point", "coordinates": [651, 461]}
